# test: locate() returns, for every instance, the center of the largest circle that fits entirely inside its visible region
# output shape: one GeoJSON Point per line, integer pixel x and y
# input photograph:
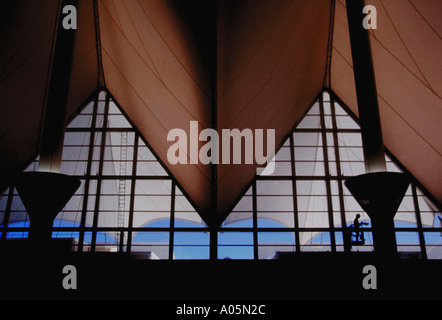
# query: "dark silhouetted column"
{"type": "Point", "coordinates": [46, 192]}
{"type": "Point", "coordinates": [378, 192]}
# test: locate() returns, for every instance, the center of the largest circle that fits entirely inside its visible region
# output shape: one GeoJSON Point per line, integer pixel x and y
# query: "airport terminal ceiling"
{"type": "Point", "coordinates": [225, 64]}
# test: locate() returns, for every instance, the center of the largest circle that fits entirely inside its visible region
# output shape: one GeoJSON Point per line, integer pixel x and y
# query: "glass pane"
{"type": "Point", "coordinates": [154, 245]}
{"type": "Point", "coordinates": [315, 241]}
{"type": "Point", "coordinates": [281, 169]}
{"type": "Point", "coordinates": [346, 122]}
{"type": "Point", "coordinates": [433, 244]}
{"type": "Point", "coordinates": [17, 235]}
{"type": "Point", "coordinates": [325, 96]}
{"type": "Point", "coordinates": [75, 168]}
{"type": "Point", "coordinates": [274, 203]}
{"type": "Point", "coordinates": [153, 187]}
{"type": "Point", "coordinates": [352, 168]}
{"type": "Point", "coordinates": [191, 245]}
{"type": "Point", "coordinates": [150, 168]}
{"type": "Point", "coordinates": [312, 203]}
{"type": "Point", "coordinates": [328, 121]}
{"type": "Point", "coordinates": [245, 204]}
{"type": "Point", "coordinates": [351, 154]}
{"type": "Point", "coordinates": [276, 219]}
{"type": "Point", "coordinates": [339, 111]}
{"type": "Point", "coordinates": [235, 245]}
{"type": "Point", "coordinates": [81, 121]}
{"type": "Point", "coordinates": [408, 244]}
{"type": "Point", "coordinates": [239, 220]}
{"type": "Point", "coordinates": [151, 219]}
{"type": "Point", "coordinates": [152, 203]}
{"type": "Point", "coordinates": [310, 122]}
{"type": "Point", "coordinates": [89, 109]}
{"type": "Point", "coordinates": [4, 199]}
{"type": "Point", "coordinates": [283, 154]}
{"type": "Point", "coordinates": [308, 168]}
{"type": "Point", "coordinates": [75, 153]}
{"type": "Point", "coordinates": [314, 109]}
{"type": "Point", "coordinates": [117, 121]}
{"type": "Point", "coordinates": [309, 153]}
{"type": "Point", "coordinates": [269, 187]}
{"type": "Point", "coordinates": [317, 219]}
{"type": "Point", "coordinates": [191, 252]}
{"type": "Point", "coordinates": [270, 244]}
{"type": "Point", "coordinates": [76, 138]}
{"type": "Point", "coordinates": [310, 187]}
{"type": "Point", "coordinates": [307, 139]}
{"type": "Point", "coordinates": [349, 139]}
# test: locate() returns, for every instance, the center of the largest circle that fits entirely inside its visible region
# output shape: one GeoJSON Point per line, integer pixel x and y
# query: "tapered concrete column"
{"type": "Point", "coordinates": [365, 88]}
{"type": "Point", "coordinates": [378, 192]}
{"type": "Point", "coordinates": [51, 141]}
{"type": "Point", "coordinates": [46, 192]}
{"type": "Point", "coordinates": [380, 195]}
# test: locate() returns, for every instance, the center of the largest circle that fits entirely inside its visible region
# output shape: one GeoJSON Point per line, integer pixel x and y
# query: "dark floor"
{"type": "Point", "coordinates": [29, 274]}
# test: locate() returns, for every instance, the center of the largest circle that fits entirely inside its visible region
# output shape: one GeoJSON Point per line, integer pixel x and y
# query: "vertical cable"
{"type": "Point", "coordinates": [327, 74]}
{"type": "Point", "coordinates": [100, 78]}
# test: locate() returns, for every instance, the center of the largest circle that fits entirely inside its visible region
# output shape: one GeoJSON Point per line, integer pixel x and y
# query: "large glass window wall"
{"type": "Point", "coordinates": [129, 203]}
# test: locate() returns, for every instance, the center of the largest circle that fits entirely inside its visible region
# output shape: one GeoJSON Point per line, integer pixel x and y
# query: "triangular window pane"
{"type": "Point", "coordinates": [115, 118]}
{"type": "Point", "coordinates": [242, 213]}
{"type": "Point", "coordinates": [185, 214]}
{"type": "Point", "coordinates": [343, 120]}
{"type": "Point", "coordinates": [312, 120]}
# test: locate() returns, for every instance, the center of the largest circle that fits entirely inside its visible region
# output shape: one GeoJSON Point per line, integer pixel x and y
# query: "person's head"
{"type": "Point", "coordinates": [358, 216]}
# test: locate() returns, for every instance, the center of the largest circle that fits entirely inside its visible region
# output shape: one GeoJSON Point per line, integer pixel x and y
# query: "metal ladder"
{"type": "Point", "coordinates": [122, 189]}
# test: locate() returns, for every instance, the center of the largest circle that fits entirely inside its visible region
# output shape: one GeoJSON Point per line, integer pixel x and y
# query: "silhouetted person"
{"type": "Point", "coordinates": [356, 226]}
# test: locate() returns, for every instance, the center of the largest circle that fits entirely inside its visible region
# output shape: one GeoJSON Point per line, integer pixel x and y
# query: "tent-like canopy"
{"type": "Point", "coordinates": [226, 64]}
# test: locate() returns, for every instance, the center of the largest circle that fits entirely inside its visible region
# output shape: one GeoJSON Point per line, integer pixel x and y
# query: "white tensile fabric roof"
{"type": "Point", "coordinates": [155, 57]}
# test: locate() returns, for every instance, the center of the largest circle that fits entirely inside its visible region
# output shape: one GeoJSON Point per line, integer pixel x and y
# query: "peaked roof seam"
{"type": "Point", "coordinates": [173, 53]}
{"type": "Point", "coordinates": [101, 81]}
{"type": "Point", "coordinates": [326, 83]}
{"type": "Point", "coordinates": [147, 65]}
{"type": "Point", "coordinates": [255, 54]}
{"type": "Point", "coordinates": [271, 75]}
